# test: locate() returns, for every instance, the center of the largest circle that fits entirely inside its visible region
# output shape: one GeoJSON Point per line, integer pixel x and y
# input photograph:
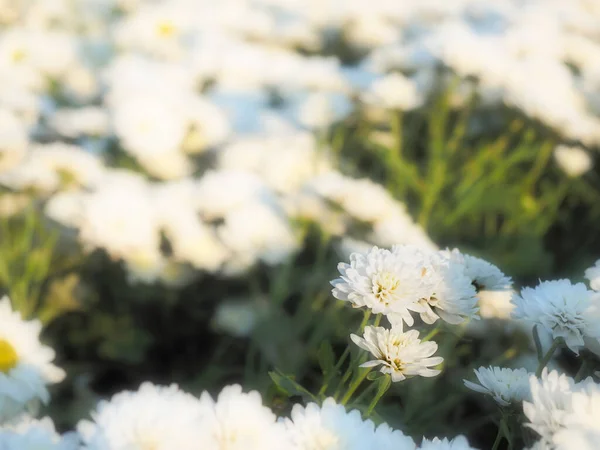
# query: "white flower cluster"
{"type": "Point", "coordinates": [406, 280]}
{"type": "Point", "coordinates": [156, 417]}
{"type": "Point", "coordinates": [564, 413]}
{"type": "Point", "coordinates": [227, 106]}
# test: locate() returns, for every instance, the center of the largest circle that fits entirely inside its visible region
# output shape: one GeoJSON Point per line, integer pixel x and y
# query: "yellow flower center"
{"type": "Point", "coordinates": [166, 29]}
{"type": "Point", "coordinates": [384, 285]}
{"type": "Point", "coordinates": [8, 356]}
{"type": "Point", "coordinates": [18, 55]}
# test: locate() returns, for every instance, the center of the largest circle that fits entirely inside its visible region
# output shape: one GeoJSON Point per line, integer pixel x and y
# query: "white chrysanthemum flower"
{"type": "Point", "coordinates": [565, 414]}
{"type": "Point", "coordinates": [35, 434]}
{"type": "Point", "coordinates": [394, 91]}
{"type": "Point", "coordinates": [484, 275]}
{"type": "Point", "coordinates": [593, 276]}
{"type": "Point", "coordinates": [458, 443]}
{"type": "Point", "coordinates": [550, 405]}
{"type": "Point", "coordinates": [574, 161]}
{"type": "Point", "coordinates": [329, 427]}
{"type": "Point", "coordinates": [387, 438]}
{"type": "Point", "coordinates": [563, 310]}
{"type": "Point", "coordinates": [25, 364]}
{"type": "Point", "coordinates": [401, 354]}
{"type": "Point", "coordinates": [453, 296]}
{"type": "Point", "coordinates": [239, 421]}
{"type": "Point", "coordinates": [506, 386]}
{"type": "Point", "coordinates": [152, 418]}
{"type": "Point", "coordinates": [387, 282]}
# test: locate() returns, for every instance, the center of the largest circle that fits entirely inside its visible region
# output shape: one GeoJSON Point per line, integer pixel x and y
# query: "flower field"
{"type": "Point", "coordinates": [299, 224]}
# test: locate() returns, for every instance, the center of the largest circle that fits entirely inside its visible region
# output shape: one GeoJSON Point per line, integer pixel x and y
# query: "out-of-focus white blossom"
{"type": "Point", "coordinates": [561, 310]}
{"type": "Point", "coordinates": [574, 161]}
{"type": "Point", "coordinates": [505, 386]}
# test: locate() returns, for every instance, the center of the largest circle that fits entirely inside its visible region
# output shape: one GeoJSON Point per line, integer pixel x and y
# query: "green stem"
{"type": "Point", "coordinates": [431, 334]}
{"type": "Point", "coordinates": [376, 399]}
{"type": "Point", "coordinates": [354, 386]}
{"type": "Point", "coordinates": [361, 377]}
{"type": "Point", "coordinates": [546, 359]}
{"type": "Point", "coordinates": [498, 437]}
{"type": "Point", "coordinates": [398, 134]}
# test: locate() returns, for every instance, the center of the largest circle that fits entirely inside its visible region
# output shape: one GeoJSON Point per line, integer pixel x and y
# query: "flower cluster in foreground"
{"type": "Point", "coordinates": [161, 418]}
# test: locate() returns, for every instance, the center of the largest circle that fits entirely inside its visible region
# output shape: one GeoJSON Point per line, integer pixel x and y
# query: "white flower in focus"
{"type": "Point", "coordinates": [390, 283]}
{"type": "Point", "coordinates": [563, 310]}
{"type": "Point", "coordinates": [238, 421]}
{"type": "Point", "coordinates": [394, 91]}
{"type": "Point", "coordinates": [458, 443]}
{"type": "Point", "coordinates": [153, 417]}
{"type": "Point", "coordinates": [506, 386]}
{"type": "Point", "coordinates": [328, 427]}
{"type": "Point", "coordinates": [35, 434]}
{"type": "Point", "coordinates": [453, 296]}
{"type": "Point", "coordinates": [574, 161]}
{"type": "Point", "coordinates": [25, 364]}
{"type": "Point", "coordinates": [401, 354]}
{"type": "Point", "coordinates": [593, 276]}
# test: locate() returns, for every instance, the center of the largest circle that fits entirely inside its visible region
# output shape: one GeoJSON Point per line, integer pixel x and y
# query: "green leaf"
{"type": "Point", "coordinates": [384, 384]}
{"type": "Point", "coordinates": [289, 386]}
{"type": "Point", "coordinates": [372, 376]}
{"type": "Point", "coordinates": [326, 358]}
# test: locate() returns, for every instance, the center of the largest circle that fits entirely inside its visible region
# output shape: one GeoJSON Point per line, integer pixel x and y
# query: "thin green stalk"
{"type": "Point", "coordinates": [378, 396]}
{"type": "Point", "coordinates": [354, 386]}
{"type": "Point", "coordinates": [546, 359]}
{"type": "Point", "coordinates": [498, 437]}
{"type": "Point", "coordinates": [397, 131]}
{"type": "Point", "coordinates": [358, 381]}
{"type": "Point", "coordinates": [363, 324]}
{"type": "Point", "coordinates": [431, 334]}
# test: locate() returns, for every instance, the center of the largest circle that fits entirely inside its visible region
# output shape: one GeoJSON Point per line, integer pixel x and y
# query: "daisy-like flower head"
{"type": "Point", "coordinates": [593, 276]}
{"type": "Point", "coordinates": [331, 427]}
{"type": "Point", "coordinates": [25, 364]}
{"type": "Point", "coordinates": [562, 309]}
{"type": "Point", "coordinates": [551, 404]}
{"type": "Point", "coordinates": [152, 418]}
{"type": "Point", "coordinates": [35, 434]}
{"type": "Point", "coordinates": [458, 443]}
{"type": "Point", "coordinates": [453, 297]}
{"type": "Point", "coordinates": [387, 282]}
{"type": "Point", "coordinates": [506, 386]}
{"type": "Point", "coordinates": [484, 275]}
{"type": "Point", "coordinates": [401, 355]}
{"type": "Point", "coordinates": [239, 421]}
